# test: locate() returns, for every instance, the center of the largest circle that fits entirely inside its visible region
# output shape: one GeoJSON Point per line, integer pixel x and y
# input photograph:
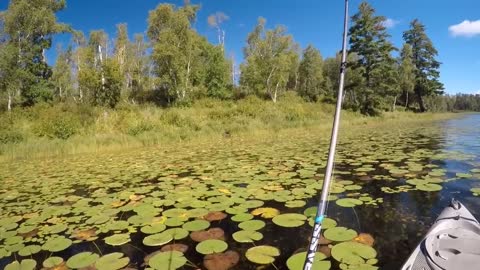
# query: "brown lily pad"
{"type": "Point", "coordinates": [62, 266]}
{"type": "Point", "coordinates": [213, 233]}
{"type": "Point", "coordinates": [84, 234]}
{"type": "Point", "coordinates": [215, 216]}
{"type": "Point", "coordinates": [324, 241]}
{"type": "Point", "coordinates": [175, 247]}
{"type": "Point", "coordinates": [327, 250]}
{"type": "Point", "coordinates": [30, 234]}
{"type": "Point", "coordinates": [365, 238]}
{"type": "Point", "coordinates": [221, 261]}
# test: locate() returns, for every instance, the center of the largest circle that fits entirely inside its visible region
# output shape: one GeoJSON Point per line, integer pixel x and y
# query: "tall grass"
{"type": "Point", "coordinates": [64, 129]}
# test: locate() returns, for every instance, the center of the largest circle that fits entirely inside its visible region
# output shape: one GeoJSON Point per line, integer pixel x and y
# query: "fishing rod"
{"type": "Point", "coordinates": [322, 204]}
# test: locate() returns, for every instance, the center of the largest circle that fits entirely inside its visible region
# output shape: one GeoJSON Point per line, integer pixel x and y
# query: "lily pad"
{"type": "Point", "coordinates": [221, 261]}
{"type": "Point", "coordinates": [295, 204]}
{"type": "Point", "coordinates": [340, 234]}
{"type": "Point", "coordinates": [242, 217]}
{"type": "Point", "coordinates": [247, 236]}
{"type": "Point", "coordinates": [82, 260]}
{"type": "Point", "coordinates": [57, 244]}
{"type": "Point", "coordinates": [159, 239]}
{"type": "Point", "coordinates": [170, 260]}
{"type": "Point", "coordinates": [152, 229]}
{"type": "Point", "coordinates": [252, 225]}
{"type": "Point", "coordinates": [213, 233]}
{"type": "Point", "coordinates": [117, 239]}
{"type": "Point", "coordinates": [29, 250]}
{"type": "Point", "coordinates": [429, 187]}
{"type": "Point", "coordinates": [177, 233]}
{"type": "Point", "coordinates": [266, 212]}
{"type": "Point", "coordinates": [27, 264]}
{"type": "Point", "coordinates": [178, 247]}
{"type": "Point", "coordinates": [52, 262]}
{"type": "Point", "coordinates": [289, 220]}
{"type": "Point", "coordinates": [353, 253]}
{"type": "Point", "coordinates": [175, 212]}
{"type": "Point", "coordinates": [348, 202]}
{"type": "Point", "coordinates": [215, 216]}
{"type": "Point", "coordinates": [211, 246]}
{"type": "Point", "coordinates": [297, 261]}
{"type": "Point", "coordinates": [112, 261]}
{"type": "Point", "coordinates": [196, 225]}
{"type": "Point", "coordinates": [262, 254]}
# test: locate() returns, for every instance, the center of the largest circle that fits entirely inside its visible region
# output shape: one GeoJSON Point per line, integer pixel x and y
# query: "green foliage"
{"type": "Point", "coordinates": [270, 59]}
{"type": "Point", "coordinates": [60, 127]}
{"type": "Point", "coordinates": [10, 137]}
{"type": "Point", "coordinates": [312, 84]}
{"type": "Point", "coordinates": [28, 29]}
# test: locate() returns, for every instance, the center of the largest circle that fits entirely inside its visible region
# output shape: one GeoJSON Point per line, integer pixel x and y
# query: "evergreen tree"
{"type": "Point", "coordinates": [312, 84]}
{"type": "Point", "coordinates": [369, 41]}
{"type": "Point", "coordinates": [426, 66]}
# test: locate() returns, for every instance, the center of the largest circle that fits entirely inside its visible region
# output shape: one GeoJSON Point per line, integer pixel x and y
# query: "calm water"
{"type": "Point", "coordinates": [397, 224]}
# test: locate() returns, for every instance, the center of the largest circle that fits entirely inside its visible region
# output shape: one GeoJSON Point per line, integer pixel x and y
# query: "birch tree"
{"type": "Point", "coordinates": [269, 58]}
{"type": "Point", "coordinates": [215, 21]}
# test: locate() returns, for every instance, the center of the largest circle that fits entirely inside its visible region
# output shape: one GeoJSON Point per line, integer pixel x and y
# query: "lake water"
{"type": "Point", "coordinates": [403, 177]}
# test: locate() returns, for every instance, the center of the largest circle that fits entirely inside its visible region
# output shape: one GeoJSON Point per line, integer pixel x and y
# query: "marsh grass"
{"type": "Point", "coordinates": [66, 129]}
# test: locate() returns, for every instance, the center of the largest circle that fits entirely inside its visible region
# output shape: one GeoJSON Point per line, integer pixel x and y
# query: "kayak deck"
{"type": "Point", "coordinates": [453, 242]}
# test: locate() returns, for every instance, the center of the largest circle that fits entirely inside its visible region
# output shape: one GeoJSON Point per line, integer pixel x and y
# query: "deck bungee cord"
{"type": "Point", "coordinates": [327, 182]}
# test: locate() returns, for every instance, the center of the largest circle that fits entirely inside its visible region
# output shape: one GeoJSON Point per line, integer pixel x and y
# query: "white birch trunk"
{"type": "Point", "coordinates": [9, 106]}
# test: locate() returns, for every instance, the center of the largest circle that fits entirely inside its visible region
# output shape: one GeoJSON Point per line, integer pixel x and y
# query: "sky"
{"type": "Point", "coordinates": [453, 26]}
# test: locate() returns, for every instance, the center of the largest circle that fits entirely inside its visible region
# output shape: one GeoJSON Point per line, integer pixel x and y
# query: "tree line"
{"type": "Point", "coordinates": [173, 64]}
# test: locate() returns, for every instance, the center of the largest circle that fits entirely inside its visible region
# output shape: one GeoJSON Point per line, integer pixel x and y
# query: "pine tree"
{"type": "Point", "coordinates": [311, 79]}
{"type": "Point", "coordinates": [426, 66]}
{"type": "Point", "coordinates": [369, 41]}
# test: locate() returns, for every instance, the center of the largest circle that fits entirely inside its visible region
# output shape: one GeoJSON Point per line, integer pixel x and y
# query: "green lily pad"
{"type": "Point", "coordinates": [82, 260]}
{"type": "Point", "coordinates": [295, 204]}
{"type": "Point", "coordinates": [175, 221]}
{"type": "Point", "coordinates": [25, 229]}
{"type": "Point", "coordinates": [27, 264]}
{"type": "Point", "coordinates": [211, 246]}
{"type": "Point", "coordinates": [112, 261]}
{"type": "Point", "coordinates": [118, 239]}
{"type": "Point", "coordinates": [247, 236]}
{"type": "Point", "coordinates": [196, 225]}
{"type": "Point", "coordinates": [262, 254]}
{"type": "Point", "coordinates": [57, 244]}
{"type": "Point", "coordinates": [340, 234]}
{"type": "Point", "coordinates": [55, 229]}
{"type": "Point", "coordinates": [29, 250]}
{"type": "Point", "coordinates": [289, 220]}
{"type": "Point", "coordinates": [4, 253]}
{"type": "Point", "coordinates": [119, 225]}
{"type": "Point", "coordinates": [429, 187]}
{"type": "Point", "coordinates": [297, 261]}
{"type": "Point", "coordinates": [353, 253]}
{"type": "Point", "coordinates": [152, 229]}
{"type": "Point", "coordinates": [242, 217]}
{"type": "Point", "coordinates": [159, 239]}
{"type": "Point", "coordinates": [311, 211]}
{"type": "Point", "coordinates": [348, 202]}
{"type": "Point", "coordinates": [52, 262]}
{"type": "Point", "coordinates": [266, 212]}
{"type": "Point", "coordinates": [252, 225]}
{"type": "Point", "coordinates": [170, 260]}
{"type": "Point", "coordinates": [175, 212]}
{"type": "Point", "coordinates": [177, 233]}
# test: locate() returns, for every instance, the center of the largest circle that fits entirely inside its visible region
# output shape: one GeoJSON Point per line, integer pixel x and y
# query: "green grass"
{"type": "Point", "coordinates": [66, 129]}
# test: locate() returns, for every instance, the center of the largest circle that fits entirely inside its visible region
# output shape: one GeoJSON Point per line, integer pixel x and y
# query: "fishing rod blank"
{"type": "Point", "coordinates": [322, 205]}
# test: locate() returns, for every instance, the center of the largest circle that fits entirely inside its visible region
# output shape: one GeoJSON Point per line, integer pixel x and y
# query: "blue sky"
{"type": "Point", "coordinates": [454, 26]}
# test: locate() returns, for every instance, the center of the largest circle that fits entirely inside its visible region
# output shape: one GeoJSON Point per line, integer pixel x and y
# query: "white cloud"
{"type": "Point", "coordinates": [466, 29]}
{"type": "Point", "coordinates": [390, 23]}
